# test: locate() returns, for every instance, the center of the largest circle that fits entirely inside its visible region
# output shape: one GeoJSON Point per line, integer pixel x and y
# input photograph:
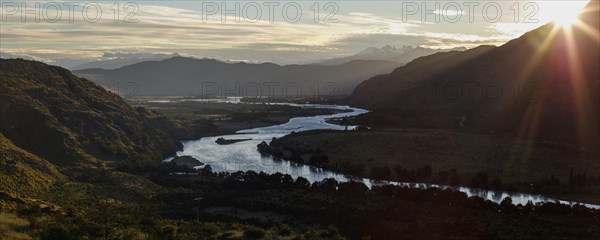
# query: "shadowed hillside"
{"type": "Point", "coordinates": [65, 119]}
{"type": "Point", "coordinates": [543, 85]}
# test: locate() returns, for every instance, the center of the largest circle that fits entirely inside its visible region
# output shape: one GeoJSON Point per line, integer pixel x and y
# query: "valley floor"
{"type": "Point", "coordinates": [212, 119]}
{"type": "Point", "coordinates": [449, 157]}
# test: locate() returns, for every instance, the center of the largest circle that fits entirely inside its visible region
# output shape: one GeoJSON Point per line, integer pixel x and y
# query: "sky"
{"type": "Point", "coordinates": [67, 34]}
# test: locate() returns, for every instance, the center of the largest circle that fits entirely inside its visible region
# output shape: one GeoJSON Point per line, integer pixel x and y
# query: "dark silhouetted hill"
{"type": "Point", "coordinates": [543, 85]}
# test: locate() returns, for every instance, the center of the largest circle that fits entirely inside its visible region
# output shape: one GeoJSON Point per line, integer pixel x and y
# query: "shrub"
{"type": "Point", "coordinates": [254, 232]}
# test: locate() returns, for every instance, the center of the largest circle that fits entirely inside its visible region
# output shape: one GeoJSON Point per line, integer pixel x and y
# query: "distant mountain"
{"type": "Point", "coordinates": [122, 61]}
{"type": "Point", "coordinates": [109, 60]}
{"type": "Point", "coordinates": [204, 77]}
{"type": "Point", "coordinates": [401, 55]}
{"type": "Point", "coordinates": [70, 121]}
{"type": "Point", "coordinates": [543, 85]}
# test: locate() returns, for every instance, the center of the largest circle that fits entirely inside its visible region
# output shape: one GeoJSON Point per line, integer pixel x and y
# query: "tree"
{"type": "Point", "coordinates": [302, 182]}
{"type": "Point", "coordinates": [443, 177]}
{"type": "Point", "coordinates": [401, 173]}
{"type": "Point", "coordinates": [497, 183]}
{"type": "Point", "coordinates": [423, 173]}
{"type": "Point", "coordinates": [480, 180]}
{"type": "Point", "coordinates": [506, 205]}
{"type": "Point", "coordinates": [380, 173]}
{"type": "Point", "coordinates": [571, 179]}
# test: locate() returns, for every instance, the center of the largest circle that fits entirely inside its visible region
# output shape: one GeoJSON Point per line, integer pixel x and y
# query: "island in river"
{"type": "Point", "coordinates": [223, 141]}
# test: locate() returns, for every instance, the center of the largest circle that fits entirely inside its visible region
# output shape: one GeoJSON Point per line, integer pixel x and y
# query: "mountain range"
{"type": "Point", "coordinates": [543, 85]}
{"type": "Point", "coordinates": [122, 61]}
{"type": "Point", "coordinates": [401, 55]}
{"type": "Point", "coordinates": [109, 60]}
{"type": "Point", "coordinates": [190, 76]}
{"type": "Point", "coordinates": [183, 76]}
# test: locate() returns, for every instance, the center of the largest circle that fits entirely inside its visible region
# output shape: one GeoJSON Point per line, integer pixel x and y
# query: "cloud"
{"type": "Point", "coordinates": [165, 29]}
{"type": "Point", "coordinates": [510, 30]}
{"type": "Point", "coordinates": [136, 55]}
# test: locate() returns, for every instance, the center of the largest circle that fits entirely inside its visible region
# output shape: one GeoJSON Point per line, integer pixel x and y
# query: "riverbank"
{"type": "Point", "coordinates": [447, 157]}
{"type": "Point", "coordinates": [209, 118]}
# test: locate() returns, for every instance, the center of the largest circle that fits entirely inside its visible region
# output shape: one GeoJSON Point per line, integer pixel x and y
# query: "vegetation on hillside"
{"type": "Point", "coordinates": [68, 120]}
{"type": "Point", "coordinates": [23, 173]}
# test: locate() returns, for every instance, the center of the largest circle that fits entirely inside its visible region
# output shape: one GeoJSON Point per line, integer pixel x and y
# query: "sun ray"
{"type": "Point", "coordinates": [578, 82]}
{"type": "Point", "coordinates": [588, 30]}
{"type": "Point", "coordinates": [529, 125]}
{"type": "Point", "coordinates": [560, 32]}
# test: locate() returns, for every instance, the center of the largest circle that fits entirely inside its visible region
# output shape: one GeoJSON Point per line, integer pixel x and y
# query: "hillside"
{"type": "Point", "coordinates": [67, 120]}
{"type": "Point", "coordinates": [206, 77]}
{"type": "Point", "coordinates": [23, 173]}
{"type": "Point", "coordinates": [543, 85]}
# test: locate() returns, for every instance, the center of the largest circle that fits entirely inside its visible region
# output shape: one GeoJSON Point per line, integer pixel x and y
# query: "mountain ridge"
{"type": "Point", "coordinates": [541, 94]}
{"type": "Point", "coordinates": [401, 55]}
{"type": "Point", "coordinates": [119, 62]}
{"type": "Point", "coordinates": [189, 77]}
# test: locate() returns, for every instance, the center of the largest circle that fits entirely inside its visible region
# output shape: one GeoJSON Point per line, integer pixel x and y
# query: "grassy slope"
{"type": "Point", "coordinates": [11, 227]}
{"type": "Point", "coordinates": [23, 172]}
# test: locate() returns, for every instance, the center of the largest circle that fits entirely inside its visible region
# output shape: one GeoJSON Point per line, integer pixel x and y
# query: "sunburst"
{"type": "Point", "coordinates": [562, 13]}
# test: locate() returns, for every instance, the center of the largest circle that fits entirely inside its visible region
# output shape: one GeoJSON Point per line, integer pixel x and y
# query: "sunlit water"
{"type": "Point", "coordinates": [203, 100]}
{"type": "Point", "coordinates": [243, 156]}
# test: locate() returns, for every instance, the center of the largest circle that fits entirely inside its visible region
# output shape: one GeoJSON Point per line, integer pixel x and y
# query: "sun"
{"type": "Point", "coordinates": [566, 20]}
{"type": "Point", "coordinates": [562, 13]}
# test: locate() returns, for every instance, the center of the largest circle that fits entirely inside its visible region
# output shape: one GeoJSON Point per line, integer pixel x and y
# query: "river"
{"type": "Point", "coordinates": [243, 156]}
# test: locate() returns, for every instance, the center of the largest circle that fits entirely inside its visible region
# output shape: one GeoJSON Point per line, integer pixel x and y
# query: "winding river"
{"type": "Point", "coordinates": [243, 156]}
